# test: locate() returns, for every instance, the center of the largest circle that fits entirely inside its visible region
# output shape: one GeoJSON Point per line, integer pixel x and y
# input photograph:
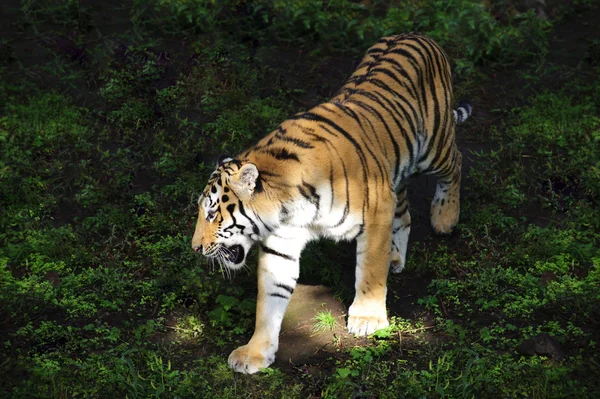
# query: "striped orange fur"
{"type": "Point", "coordinates": [339, 171]}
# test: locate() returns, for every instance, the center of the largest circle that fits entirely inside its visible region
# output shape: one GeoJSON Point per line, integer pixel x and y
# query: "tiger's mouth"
{"type": "Point", "coordinates": [236, 254]}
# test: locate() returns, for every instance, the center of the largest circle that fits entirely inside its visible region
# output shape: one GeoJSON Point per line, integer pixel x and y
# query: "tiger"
{"type": "Point", "coordinates": [338, 170]}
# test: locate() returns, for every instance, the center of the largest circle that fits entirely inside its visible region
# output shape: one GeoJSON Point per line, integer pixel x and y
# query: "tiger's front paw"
{"type": "Point", "coordinates": [365, 320]}
{"type": "Point", "coordinates": [366, 325]}
{"type": "Point", "coordinates": [248, 360]}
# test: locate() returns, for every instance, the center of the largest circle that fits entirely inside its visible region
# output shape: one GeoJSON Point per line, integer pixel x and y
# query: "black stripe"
{"type": "Point", "coordinates": [273, 252]}
{"type": "Point", "coordinates": [440, 159]}
{"type": "Point", "coordinates": [332, 148]}
{"type": "Point", "coordinates": [282, 136]}
{"type": "Point", "coordinates": [428, 62]}
{"type": "Point", "coordinates": [401, 113]}
{"type": "Point", "coordinates": [317, 137]}
{"type": "Point", "coordinates": [388, 73]}
{"type": "Point", "coordinates": [319, 118]}
{"type": "Point", "coordinates": [263, 223]}
{"type": "Point", "coordinates": [400, 69]}
{"type": "Point", "coordinates": [412, 116]}
{"type": "Point", "coordinates": [258, 186]}
{"type": "Point", "coordinates": [441, 73]}
{"type": "Point", "coordinates": [374, 50]}
{"type": "Point", "coordinates": [356, 117]}
{"type": "Point", "coordinates": [347, 206]}
{"type": "Point", "coordinates": [413, 86]}
{"type": "Point", "coordinates": [400, 212]}
{"type": "Point", "coordinates": [383, 148]}
{"type": "Point", "coordinates": [297, 142]}
{"type": "Point", "coordinates": [415, 64]}
{"type": "Point", "coordinates": [312, 189]}
{"type": "Point", "coordinates": [379, 99]}
{"type": "Point", "coordinates": [361, 157]}
{"type": "Point", "coordinates": [275, 294]}
{"type": "Point", "coordinates": [332, 187]}
{"type": "Point", "coordinates": [304, 193]}
{"type": "Point", "coordinates": [282, 154]}
{"type": "Point", "coordinates": [230, 208]}
{"type": "Point", "coordinates": [386, 40]}
{"type": "Point", "coordinates": [422, 80]}
{"type": "Point", "coordinates": [255, 229]}
{"type": "Point", "coordinates": [360, 230]}
{"type": "Point", "coordinates": [366, 64]}
{"type": "Point", "coordinates": [309, 192]}
{"type": "Point", "coordinates": [286, 287]}
{"type": "Point", "coordinates": [374, 111]}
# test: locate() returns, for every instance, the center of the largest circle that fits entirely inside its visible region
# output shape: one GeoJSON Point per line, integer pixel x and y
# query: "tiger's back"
{"type": "Point", "coordinates": [404, 83]}
{"type": "Point", "coordinates": [339, 170]}
{"type": "Point", "coordinates": [393, 117]}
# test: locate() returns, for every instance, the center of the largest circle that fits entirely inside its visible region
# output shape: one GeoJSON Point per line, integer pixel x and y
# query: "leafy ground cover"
{"type": "Point", "coordinates": [113, 116]}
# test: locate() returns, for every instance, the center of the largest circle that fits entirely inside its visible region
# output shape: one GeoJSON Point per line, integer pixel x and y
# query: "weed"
{"type": "Point", "coordinates": [324, 321]}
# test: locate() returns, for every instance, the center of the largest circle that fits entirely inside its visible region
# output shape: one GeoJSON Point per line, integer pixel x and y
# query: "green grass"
{"type": "Point", "coordinates": [346, 26]}
{"type": "Point", "coordinates": [324, 321]}
{"type": "Point", "coordinates": [108, 136]}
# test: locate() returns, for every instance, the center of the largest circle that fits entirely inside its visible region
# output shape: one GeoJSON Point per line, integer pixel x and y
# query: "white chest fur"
{"type": "Point", "coordinates": [322, 216]}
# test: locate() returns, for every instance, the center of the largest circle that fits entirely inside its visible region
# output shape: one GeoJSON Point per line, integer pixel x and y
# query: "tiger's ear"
{"type": "Point", "coordinates": [222, 159]}
{"type": "Point", "coordinates": [243, 181]}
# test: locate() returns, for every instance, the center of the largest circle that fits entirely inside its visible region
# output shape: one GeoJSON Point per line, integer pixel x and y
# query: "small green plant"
{"type": "Point", "coordinates": [191, 326]}
{"type": "Point", "coordinates": [226, 315]}
{"type": "Point", "coordinates": [324, 321]}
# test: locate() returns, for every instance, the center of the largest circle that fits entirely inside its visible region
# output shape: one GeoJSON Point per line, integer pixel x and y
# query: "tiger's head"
{"type": "Point", "coordinates": [225, 230]}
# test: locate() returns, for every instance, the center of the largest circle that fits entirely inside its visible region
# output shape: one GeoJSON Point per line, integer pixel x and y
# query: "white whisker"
{"type": "Point", "coordinates": [221, 256]}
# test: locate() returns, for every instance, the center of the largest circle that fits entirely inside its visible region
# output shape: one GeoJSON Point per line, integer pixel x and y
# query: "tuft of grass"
{"type": "Point", "coordinates": [324, 321]}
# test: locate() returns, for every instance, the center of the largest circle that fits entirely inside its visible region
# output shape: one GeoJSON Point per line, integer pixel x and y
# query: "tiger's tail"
{"type": "Point", "coordinates": [463, 111]}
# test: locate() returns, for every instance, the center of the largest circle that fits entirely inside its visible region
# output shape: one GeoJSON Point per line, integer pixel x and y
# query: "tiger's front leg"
{"type": "Point", "coordinates": [367, 313]}
{"type": "Point", "coordinates": [278, 271]}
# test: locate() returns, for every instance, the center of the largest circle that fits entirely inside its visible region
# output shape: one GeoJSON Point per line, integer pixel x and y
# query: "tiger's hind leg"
{"type": "Point", "coordinates": [400, 232]}
{"type": "Point", "coordinates": [445, 206]}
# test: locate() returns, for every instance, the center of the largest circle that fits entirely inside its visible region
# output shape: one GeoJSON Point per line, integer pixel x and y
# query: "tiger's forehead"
{"type": "Point", "coordinates": [218, 178]}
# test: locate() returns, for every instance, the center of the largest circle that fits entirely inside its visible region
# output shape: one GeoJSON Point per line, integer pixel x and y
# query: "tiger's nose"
{"type": "Point", "coordinates": [197, 249]}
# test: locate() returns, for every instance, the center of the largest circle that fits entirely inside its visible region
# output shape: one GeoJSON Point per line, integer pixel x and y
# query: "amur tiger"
{"type": "Point", "coordinates": [338, 171]}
